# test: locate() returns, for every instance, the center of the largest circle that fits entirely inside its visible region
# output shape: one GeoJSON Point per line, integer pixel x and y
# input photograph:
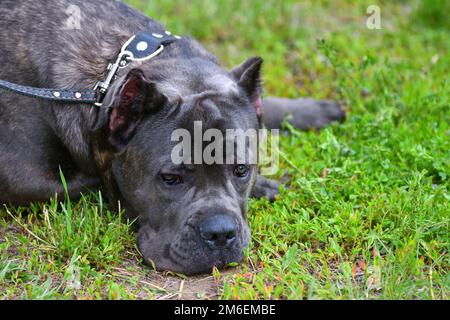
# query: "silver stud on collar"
{"type": "Point", "coordinates": [142, 46]}
{"type": "Point", "coordinates": [157, 35]}
{"type": "Point", "coordinates": [168, 33]}
{"type": "Point", "coordinates": [177, 37]}
{"type": "Point", "coordinates": [77, 95]}
{"type": "Point", "coordinates": [57, 94]}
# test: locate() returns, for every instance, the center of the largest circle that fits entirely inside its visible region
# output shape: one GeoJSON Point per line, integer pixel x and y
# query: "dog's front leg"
{"type": "Point", "coordinates": [303, 114]}
{"type": "Point", "coordinates": [265, 188]}
{"type": "Point", "coordinates": [25, 190]}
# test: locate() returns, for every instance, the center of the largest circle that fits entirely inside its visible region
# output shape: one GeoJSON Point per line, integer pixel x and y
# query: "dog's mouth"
{"type": "Point", "coordinates": [187, 254]}
{"type": "Point", "coordinates": [204, 261]}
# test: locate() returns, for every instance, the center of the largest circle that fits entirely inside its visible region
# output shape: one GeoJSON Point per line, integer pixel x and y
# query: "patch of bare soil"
{"type": "Point", "coordinates": [12, 231]}
{"type": "Point", "coordinates": [166, 286]}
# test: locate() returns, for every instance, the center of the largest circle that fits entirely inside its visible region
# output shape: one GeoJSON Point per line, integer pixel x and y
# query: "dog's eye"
{"type": "Point", "coordinates": [172, 179]}
{"type": "Point", "coordinates": [241, 171]}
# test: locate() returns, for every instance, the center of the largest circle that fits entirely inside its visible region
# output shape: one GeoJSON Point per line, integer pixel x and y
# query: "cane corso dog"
{"type": "Point", "coordinates": [190, 217]}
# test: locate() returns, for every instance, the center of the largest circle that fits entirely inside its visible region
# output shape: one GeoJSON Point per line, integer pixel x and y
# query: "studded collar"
{"type": "Point", "coordinates": [141, 47]}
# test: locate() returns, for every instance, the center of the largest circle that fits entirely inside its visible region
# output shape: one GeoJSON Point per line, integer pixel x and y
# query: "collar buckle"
{"type": "Point", "coordinates": [141, 47]}
{"type": "Point", "coordinates": [102, 86]}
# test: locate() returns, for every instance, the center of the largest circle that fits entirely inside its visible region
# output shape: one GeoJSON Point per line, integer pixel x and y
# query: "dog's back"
{"type": "Point", "coordinates": [40, 47]}
{"type": "Point", "coordinates": [64, 43]}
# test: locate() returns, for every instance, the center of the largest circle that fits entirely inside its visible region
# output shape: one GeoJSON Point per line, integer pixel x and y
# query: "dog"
{"type": "Point", "coordinates": [190, 217]}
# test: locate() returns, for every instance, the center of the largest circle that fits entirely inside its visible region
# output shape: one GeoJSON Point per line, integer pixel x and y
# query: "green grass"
{"type": "Point", "coordinates": [366, 214]}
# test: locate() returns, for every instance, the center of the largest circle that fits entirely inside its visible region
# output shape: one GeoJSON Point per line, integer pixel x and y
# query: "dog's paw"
{"type": "Point", "coordinates": [313, 114]}
{"type": "Point", "coordinates": [265, 188]}
{"type": "Point", "coordinates": [303, 114]}
{"type": "Point", "coordinates": [330, 111]}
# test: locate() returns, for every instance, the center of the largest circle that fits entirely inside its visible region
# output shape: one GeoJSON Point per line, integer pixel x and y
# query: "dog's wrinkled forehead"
{"type": "Point", "coordinates": [214, 110]}
{"type": "Point", "coordinates": [214, 82]}
{"type": "Point", "coordinates": [201, 90]}
{"type": "Point", "coordinates": [176, 79]}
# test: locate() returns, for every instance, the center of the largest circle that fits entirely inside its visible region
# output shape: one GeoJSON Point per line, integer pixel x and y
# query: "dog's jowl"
{"type": "Point", "coordinates": [191, 217]}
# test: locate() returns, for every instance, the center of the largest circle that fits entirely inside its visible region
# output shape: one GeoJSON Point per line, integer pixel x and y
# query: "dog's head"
{"type": "Point", "coordinates": [192, 216]}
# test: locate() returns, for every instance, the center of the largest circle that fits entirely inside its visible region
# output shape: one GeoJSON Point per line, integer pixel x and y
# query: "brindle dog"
{"type": "Point", "coordinates": [191, 217]}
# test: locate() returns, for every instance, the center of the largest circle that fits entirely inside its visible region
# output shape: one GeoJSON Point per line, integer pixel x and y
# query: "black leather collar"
{"type": "Point", "coordinates": [141, 47]}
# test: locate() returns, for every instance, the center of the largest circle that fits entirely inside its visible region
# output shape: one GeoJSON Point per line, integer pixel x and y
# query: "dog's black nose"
{"type": "Point", "coordinates": [218, 231]}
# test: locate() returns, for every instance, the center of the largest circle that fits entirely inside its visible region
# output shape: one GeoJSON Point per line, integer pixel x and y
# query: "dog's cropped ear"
{"type": "Point", "coordinates": [249, 78]}
{"type": "Point", "coordinates": [135, 98]}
